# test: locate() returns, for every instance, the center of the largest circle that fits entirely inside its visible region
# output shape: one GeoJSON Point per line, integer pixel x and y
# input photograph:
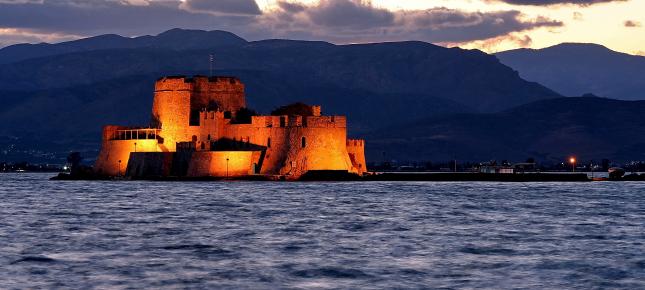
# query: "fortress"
{"type": "Point", "coordinates": [200, 127]}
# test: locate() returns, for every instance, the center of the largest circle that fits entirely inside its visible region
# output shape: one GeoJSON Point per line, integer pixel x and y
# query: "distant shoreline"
{"type": "Point", "coordinates": [344, 176]}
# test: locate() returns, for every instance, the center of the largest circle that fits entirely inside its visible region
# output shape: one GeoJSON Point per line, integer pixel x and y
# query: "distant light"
{"type": "Point", "coordinates": [572, 160]}
{"type": "Point", "coordinates": [64, 167]}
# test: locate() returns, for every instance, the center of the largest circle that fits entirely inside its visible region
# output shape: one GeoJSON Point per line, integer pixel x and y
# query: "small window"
{"type": "Point", "coordinates": [194, 138]}
{"type": "Point", "coordinates": [269, 143]}
{"type": "Point", "coordinates": [304, 142]}
{"type": "Point", "coordinates": [209, 137]}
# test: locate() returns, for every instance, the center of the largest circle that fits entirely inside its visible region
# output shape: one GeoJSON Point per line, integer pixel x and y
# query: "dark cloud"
{"type": "Point", "coordinates": [347, 13]}
{"type": "Point", "coordinates": [243, 7]}
{"type": "Point", "coordinates": [291, 7]}
{"type": "Point", "coordinates": [632, 23]}
{"type": "Point", "coordinates": [96, 17]}
{"type": "Point", "coordinates": [450, 25]}
{"type": "Point", "coordinates": [556, 2]}
{"type": "Point", "coordinates": [340, 21]}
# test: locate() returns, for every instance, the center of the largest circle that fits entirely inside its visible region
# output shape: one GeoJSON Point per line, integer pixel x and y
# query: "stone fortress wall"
{"type": "Point", "coordinates": [199, 111]}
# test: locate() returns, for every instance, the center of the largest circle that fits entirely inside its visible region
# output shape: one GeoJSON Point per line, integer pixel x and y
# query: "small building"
{"type": "Point", "coordinates": [496, 169]}
{"type": "Point", "coordinates": [505, 168]}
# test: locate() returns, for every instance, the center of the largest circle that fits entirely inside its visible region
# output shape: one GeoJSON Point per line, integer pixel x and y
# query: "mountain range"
{"type": "Point", "coordinates": [57, 96]}
{"type": "Point", "coordinates": [573, 69]}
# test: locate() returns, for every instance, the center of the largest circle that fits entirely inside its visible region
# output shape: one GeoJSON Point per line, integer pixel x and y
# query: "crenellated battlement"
{"type": "Point", "coordinates": [211, 115]}
{"type": "Point", "coordinates": [201, 83]}
{"type": "Point", "coordinates": [355, 143]}
{"type": "Point", "coordinates": [326, 121]}
{"type": "Point", "coordinates": [285, 121]}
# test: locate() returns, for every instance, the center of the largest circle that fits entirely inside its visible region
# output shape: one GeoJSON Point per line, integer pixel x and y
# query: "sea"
{"type": "Point", "coordinates": [329, 235]}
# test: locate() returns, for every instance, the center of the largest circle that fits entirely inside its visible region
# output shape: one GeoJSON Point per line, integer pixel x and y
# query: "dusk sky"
{"type": "Point", "coordinates": [490, 25]}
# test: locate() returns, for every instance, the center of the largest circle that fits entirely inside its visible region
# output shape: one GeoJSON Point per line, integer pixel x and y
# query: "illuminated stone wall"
{"type": "Point", "coordinates": [356, 150]}
{"type": "Point", "coordinates": [324, 143]}
{"type": "Point", "coordinates": [112, 151]}
{"type": "Point", "coordinates": [227, 92]}
{"type": "Point", "coordinates": [176, 97]}
{"type": "Point", "coordinates": [222, 163]}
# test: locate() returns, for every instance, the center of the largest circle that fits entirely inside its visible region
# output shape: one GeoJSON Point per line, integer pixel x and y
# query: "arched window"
{"type": "Point", "coordinates": [268, 142]}
{"type": "Point", "coordinates": [304, 142]}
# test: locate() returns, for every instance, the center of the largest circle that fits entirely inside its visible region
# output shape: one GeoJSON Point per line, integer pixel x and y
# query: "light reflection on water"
{"type": "Point", "coordinates": [320, 235]}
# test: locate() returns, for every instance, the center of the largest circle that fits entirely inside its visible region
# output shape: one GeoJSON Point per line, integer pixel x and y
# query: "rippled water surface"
{"type": "Point", "coordinates": [62, 234]}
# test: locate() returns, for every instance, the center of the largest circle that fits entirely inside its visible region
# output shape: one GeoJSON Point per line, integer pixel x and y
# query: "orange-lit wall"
{"type": "Point", "coordinates": [112, 151]}
{"type": "Point", "coordinates": [176, 97]}
{"type": "Point", "coordinates": [356, 150]}
{"type": "Point", "coordinates": [214, 163]}
{"type": "Point", "coordinates": [325, 143]}
{"type": "Point", "coordinates": [228, 92]}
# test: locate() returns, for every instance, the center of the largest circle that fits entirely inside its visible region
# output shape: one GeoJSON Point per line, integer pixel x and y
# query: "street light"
{"type": "Point", "coordinates": [119, 167]}
{"type": "Point", "coordinates": [572, 160]}
{"type": "Point", "coordinates": [135, 146]}
{"type": "Point", "coordinates": [226, 167]}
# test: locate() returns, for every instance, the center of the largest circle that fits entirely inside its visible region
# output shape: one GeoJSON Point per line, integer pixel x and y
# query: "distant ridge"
{"type": "Point", "coordinates": [172, 39]}
{"type": "Point", "coordinates": [576, 68]}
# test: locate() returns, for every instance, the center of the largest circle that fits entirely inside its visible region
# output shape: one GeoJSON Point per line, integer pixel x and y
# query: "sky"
{"type": "Point", "coordinates": [489, 25]}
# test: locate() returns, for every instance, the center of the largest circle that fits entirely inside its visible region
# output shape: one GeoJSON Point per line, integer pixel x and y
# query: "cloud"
{"type": "Point", "coordinates": [578, 16]}
{"type": "Point", "coordinates": [98, 17]}
{"type": "Point", "coordinates": [357, 21]}
{"type": "Point", "coordinates": [493, 44]}
{"type": "Point", "coordinates": [240, 7]}
{"type": "Point", "coordinates": [449, 25]}
{"type": "Point", "coordinates": [556, 2]}
{"type": "Point", "coordinates": [632, 23]}
{"type": "Point", "coordinates": [350, 14]}
{"type": "Point", "coordinates": [10, 36]}
{"type": "Point", "coordinates": [291, 7]}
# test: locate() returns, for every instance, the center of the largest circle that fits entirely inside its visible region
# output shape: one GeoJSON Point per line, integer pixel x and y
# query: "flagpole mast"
{"type": "Point", "coordinates": [211, 64]}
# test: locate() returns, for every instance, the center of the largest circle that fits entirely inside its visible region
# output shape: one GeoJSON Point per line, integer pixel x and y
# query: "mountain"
{"type": "Point", "coordinates": [65, 92]}
{"type": "Point", "coordinates": [177, 39]}
{"type": "Point", "coordinates": [547, 130]}
{"type": "Point", "coordinates": [574, 69]}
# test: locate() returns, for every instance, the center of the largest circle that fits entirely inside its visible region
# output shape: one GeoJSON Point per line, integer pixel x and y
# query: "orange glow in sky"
{"type": "Point", "coordinates": [616, 24]}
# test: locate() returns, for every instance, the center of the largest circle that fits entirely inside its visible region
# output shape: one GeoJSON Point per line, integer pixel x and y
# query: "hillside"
{"type": "Point", "coordinates": [172, 39]}
{"type": "Point", "coordinates": [573, 69]}
{"type": "Point", "coordinates": [70, 89]}
{"type": "Point", "coordinates": [547, 130]}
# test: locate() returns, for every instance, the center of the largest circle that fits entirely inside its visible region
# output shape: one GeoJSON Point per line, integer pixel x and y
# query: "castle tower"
{"type": "Point", "coordinates": [178, 101]}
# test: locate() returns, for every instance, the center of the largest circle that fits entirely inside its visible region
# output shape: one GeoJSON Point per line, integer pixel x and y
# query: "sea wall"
{"type": "Point", "coordinates": [222, 163]}
{"type": "Point", "coordinates": [115, 154]}
{"type": "Point", "coordinates": [150, 164]}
